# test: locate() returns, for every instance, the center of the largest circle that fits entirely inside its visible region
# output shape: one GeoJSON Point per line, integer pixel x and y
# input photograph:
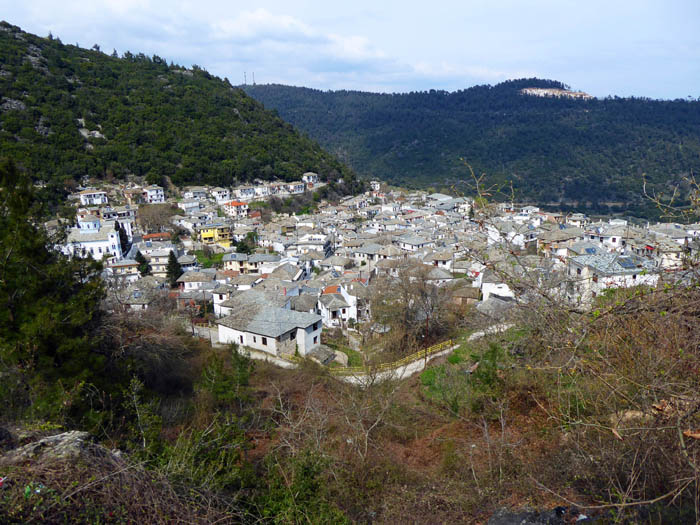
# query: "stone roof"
{"type": "Point", "coordinates": [333, 301]}
{"type": "Point", "coordinates": [614, 264]}
{"type": "Point", "coordinates": [268, 321]}
{"type": "Point", "coordinates": [304, 302]}
{"type": "Point", "coordinates": [196, 277]}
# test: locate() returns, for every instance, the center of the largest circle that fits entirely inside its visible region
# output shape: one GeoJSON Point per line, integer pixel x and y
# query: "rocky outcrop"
{"type": "Point", "coordinates": [68, 445]}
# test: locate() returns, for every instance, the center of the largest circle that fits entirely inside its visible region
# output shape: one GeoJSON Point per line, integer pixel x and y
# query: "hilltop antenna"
{"type": "Point", "coordinates": [253, 77]}
{"type": "Point", "coordinates": [244, 79]}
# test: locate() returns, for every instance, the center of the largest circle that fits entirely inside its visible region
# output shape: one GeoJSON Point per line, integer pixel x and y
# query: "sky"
{"type": "Point", "coordinates": [648, 48]}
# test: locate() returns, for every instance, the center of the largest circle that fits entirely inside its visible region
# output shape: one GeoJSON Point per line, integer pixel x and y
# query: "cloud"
{"type": "Point", "coordinates": [394, 45]}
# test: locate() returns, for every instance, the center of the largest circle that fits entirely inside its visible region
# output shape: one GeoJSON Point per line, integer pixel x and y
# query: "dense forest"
{"type": "Point", "coordinates": [577, 153]}
{"type": "Point", "coordinates": [67, 112]}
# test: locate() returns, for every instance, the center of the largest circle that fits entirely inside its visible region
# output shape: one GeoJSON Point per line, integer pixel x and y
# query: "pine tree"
{"type": "Point", "coordinates": [144, 267]}
{"type": "Point", "coordinates": [49, 307]}
{"type": "Point", "coordinates": [174, 270]}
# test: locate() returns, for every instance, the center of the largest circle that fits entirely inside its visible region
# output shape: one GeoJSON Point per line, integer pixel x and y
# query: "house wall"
{"type": "Point", "coordinates": [305, 338]}
{"type": "Point", "coordinates": [230, 335]}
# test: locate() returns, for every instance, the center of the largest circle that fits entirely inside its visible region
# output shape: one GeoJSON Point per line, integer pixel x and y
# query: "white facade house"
{"type": "Point", "coordinates": [235, 208]}
{"type": "Point", "coordinates": [590, 275]}
{"type": "Point", "coordinates": [221, 194]}
{"type": "Point", "coordinates": [93, 197]}
{"type": "Point", "coordinates": [413, 243]}
{"type": "Point", "coordinates": [337, 306]}
{"type": "Point", "coordinates": [277, 331]}
{"type": "Point", "coordinates": [189, 205]}
{"type": "Point", "coordinates": [246, 193]}
{"type": "Point", "coordinates": [310, 177]}
{"type": "Point", "coordinates": [262, 192]}
{"type": "Point", "coordinates": [91, 238]}
{"type": "Point", "coordinates": [195, 192]}
{"type": "Point", "coordinates": [153, 194]}
{"type": "Point", "coordinates": [295, 188]}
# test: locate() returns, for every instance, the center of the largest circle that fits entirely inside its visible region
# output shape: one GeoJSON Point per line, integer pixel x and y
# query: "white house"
{"type": "Point", "coordinates": [153, 194]}
{"type": "Point", "coordinates": [277, 331]}
{"type": "Point", "coordinates": [310, 177]}
{"type": "Point", "coordinates": [295, 187]}
{"type": "Point", "coordinates": [189, 205]}
{"type": "Point", "coordinates": [413, 243]}
{"type": "Point", "coordinates": [262, 191]}
{"type": "Point", "coordinates": [235, 208]}
{"type": "Point", "coordinates": [590, 275]}
{"type": "Point", "coordinates": [195, 192]}
{"type": "Point", "coordinates": [93, 238]}
{"type": "Point", "coordinates": [337, 306]}
{"type": "Point", "coordinates": [246, 193]}
{"type": "Point", "coordinates": [221, 194]}
{"type": "Point", "coordinates": [92, 197]}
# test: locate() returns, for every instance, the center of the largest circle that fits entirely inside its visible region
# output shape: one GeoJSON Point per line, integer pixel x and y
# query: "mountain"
{"type": "Point", "coordinates": [579, 152]}
{"type": "Point", "coordinates": [67, 112]}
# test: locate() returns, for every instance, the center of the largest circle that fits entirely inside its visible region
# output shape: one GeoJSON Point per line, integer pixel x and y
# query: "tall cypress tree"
{"type": "Point", "coordinates": [174, 270]}
{"type": "Point", "coordinates": [144, 268]}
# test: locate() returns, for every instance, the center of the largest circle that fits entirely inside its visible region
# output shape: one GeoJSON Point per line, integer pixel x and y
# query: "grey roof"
{"type": "Point", "coordinates": [252, 299]}
{"type": "Point", "coordinates": [268, 321]}
{"type": "Point", "coordinates": [369, 248]}
{"type": "Point", "coordinates": [124, 262]}
{"type": "Point", "coordinates": [333, 301]}
{"type": "Point", "coordinates": [84, 236]}
{"type": "Point", "coordinates": [304, 302]}
{"type": "Point", "coordinates": [196, 277]}
{"type": "Point", "coordinates": [412, 239]}
{"type": "Point", "coordinates": [263, 257]}
{"type": "Point", "coordinates": [614, 264]}
{"type": "Point", "coordinates": [235, 257]}
{"type": "Point", "coordinates": [286, 271]}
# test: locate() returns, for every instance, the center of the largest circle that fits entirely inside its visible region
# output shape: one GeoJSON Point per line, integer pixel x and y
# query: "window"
{"type": "Point", "coordinates": [595, 278]}
{"type": "Point", "coordinates": [315, 326]}
{"type": "Point", "coordinates": [614, 239]}
{"type": "Point", "coordinates": [241, 338]}
{"type": "Point", "coordinates": [578, 271]}
{"type": "Point", "coordinates": [255, 340]}
{"type": "Point", "coordinates": [343, 310]}
{"type": "Point", "coordinates": [264, 341]}
{"type": "Point", "coordinates": [315, 339]}
{"type": "Point", "coordinates": [634, 276]}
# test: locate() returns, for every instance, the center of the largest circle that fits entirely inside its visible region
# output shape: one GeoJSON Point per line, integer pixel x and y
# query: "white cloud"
{"type": "Point", "coordinates": [639, 46]}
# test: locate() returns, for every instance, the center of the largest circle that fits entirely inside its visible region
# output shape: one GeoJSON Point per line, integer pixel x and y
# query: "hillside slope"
{"type": "Point", "coordinates": [67, 112]}
{"type": "Point", "coordinates": [576, 152]}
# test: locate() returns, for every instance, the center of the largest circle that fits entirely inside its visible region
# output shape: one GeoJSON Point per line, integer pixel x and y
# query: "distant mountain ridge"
{"type": "Point", "coordinates": [580, 152]}
{"type": "Point", "coordinates": [68, 112]}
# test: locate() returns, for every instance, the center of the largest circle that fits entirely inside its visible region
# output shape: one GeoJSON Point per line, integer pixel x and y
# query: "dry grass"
{"type": "Point", "coordinates": [102, 490]}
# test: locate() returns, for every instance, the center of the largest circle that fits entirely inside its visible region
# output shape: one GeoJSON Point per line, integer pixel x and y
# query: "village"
{"type": "Point", "coordinates": [272, 283]}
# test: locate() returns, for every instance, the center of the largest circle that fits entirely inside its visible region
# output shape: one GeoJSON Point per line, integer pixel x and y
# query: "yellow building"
{"type": "Point", "coordinates": [218, 233]}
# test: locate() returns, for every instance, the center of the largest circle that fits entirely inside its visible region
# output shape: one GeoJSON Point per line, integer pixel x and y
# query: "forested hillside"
{"type": "Point", "coordinates": [576, 152]}
{"type": "Point", "coordinates": [67, 112]}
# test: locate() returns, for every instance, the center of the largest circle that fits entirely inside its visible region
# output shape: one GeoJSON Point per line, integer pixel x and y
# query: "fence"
{"type": "Point", "coordinates": [363, 370]}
